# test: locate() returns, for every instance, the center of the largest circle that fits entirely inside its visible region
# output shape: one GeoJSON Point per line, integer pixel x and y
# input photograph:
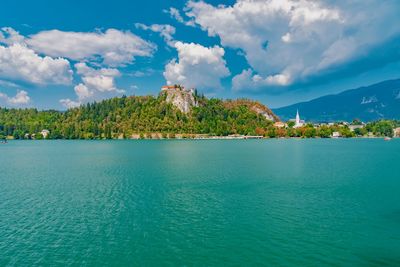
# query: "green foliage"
{"type": "Point", "coordinates": [324, 131]}
{"type": "Point", "coordinates": [310, 132]}
{"type": "Point", "coordinates": [142, 116]}
{"type": "Point", "coordinates": [291, 124]}
{"type": "Point", "coordinates": [360, 131]}
{"type": "Point", "coordinates": [382, 128]}
{"type": "Point", "coordinates": [125, 116]}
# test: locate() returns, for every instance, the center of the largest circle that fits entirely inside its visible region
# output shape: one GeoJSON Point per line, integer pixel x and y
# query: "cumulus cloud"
{"type": "Point", "coordinates": [248, 80]}
{"type": "Point", "coordinates": [68, 103]}
{"type": "Point", "coordinates": [112, 47]}
{"type": "Point", "coordinates": [289, 41]}
{"type": "Point", "coordinates": [21, 98]}
{"type": "Point", "coordinates": [175, 14]}
{"type": "Point", "coordinates": [143, 73]}
{"type": "Point", "coordinates": [18, 62]}
{"type": "Point", "coordinates": [96, 84]}
{"type": "Point", "coordinates": [102, 80]}
{"type": "Point", "coordinates": [10, 36]}
{"type": "Point", "coordinates": [166, 31]}
{"type": "Point", "coordinates": [42, 58]}
{"type": "Point", "coordinates": [82, 91]}
{"type": "Point", "coordinates": [197, 66]}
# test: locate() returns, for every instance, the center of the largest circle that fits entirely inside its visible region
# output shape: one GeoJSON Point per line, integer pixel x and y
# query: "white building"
{"type": "Point", "coordinates": [45, 133]}
{"type": "Point", "coordinates": [298, 122]}
{"type": "Point", "coordinates": [353, 127]}
{"type": "Point", "coordinates": [397, 132]}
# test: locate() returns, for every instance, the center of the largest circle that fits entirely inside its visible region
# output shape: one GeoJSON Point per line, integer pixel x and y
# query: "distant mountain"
{"type": "Point", "coordinates": [378, 101]}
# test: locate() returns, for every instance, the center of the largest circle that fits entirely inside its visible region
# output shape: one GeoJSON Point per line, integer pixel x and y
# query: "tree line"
{"type": "Point", "coordinates": [126, 116]}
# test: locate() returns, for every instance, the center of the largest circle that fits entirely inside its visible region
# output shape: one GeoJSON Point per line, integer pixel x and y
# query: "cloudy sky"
{"type": "Point", "coordinates": [60, 54]}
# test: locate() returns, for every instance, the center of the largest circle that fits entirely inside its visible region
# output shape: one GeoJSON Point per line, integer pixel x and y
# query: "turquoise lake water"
{"type": "Point", "coordinates": [200, 203]}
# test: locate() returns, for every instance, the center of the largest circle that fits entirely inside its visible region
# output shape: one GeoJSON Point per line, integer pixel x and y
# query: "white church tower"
{"type": "Point", "coordinates": [297, 118]}
{"type": "Point", "coordinates": [298, 122]}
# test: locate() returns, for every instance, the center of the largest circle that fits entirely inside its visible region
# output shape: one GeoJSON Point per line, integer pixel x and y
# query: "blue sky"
{"type": "Point", "coordinates": [59, 54]}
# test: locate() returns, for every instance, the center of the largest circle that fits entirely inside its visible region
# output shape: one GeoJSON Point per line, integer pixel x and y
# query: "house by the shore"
{"type": "Point", "coordinates": [396, 132]}
{"type": "Point", "coordinates": [280, 124]}
{"type": "Point", "coordinates": [353, 127]}
{"type": "Point", "coordinates": [45, 133]}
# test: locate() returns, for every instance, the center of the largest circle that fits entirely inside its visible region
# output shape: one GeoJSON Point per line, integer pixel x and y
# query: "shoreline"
{"type": "Point", "coordinates": [208, 138]}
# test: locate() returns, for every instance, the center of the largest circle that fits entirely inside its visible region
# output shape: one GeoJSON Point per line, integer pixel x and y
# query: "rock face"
{"type": "Point", "coordinates": [180, 97]}
{"type": "Point", "coordinates": [184, 100]}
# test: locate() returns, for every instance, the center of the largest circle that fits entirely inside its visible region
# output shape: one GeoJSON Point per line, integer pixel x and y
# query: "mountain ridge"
{"type": "Point", "coordinates": [366, 103]}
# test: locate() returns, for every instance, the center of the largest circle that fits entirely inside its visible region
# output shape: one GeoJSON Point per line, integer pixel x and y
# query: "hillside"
{"type": "Point", "coordinates": [126, 117]}
{"type": "Point", "coordinates": [378, 101]}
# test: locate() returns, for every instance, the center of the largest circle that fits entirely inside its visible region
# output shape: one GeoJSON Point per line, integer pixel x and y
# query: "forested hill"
{"type": "Point", "coordinates": [127, 116]}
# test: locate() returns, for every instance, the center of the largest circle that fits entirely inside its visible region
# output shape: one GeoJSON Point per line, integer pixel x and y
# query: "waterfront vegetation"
{"type": "Point", "coordinates": [381, 128]}
{"type": "Point", "coordinates": [153, 117]}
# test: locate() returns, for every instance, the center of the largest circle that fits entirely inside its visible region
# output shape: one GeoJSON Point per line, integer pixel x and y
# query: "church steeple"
{"type": "Point", "coordinates": [297, 118]}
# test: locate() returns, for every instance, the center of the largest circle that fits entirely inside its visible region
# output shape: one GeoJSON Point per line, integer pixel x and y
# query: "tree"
{"type": "Point", "coordinates": [383, 128]}
{"type": "Point", "coordinates": [291, 124]}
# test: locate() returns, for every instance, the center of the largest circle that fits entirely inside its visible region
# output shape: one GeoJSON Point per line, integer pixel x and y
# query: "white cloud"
{"type": "Point", "coordinates": [175, 14]}
{"type": "Point", "coordinates": [143, 73]}
{"type": "Point", "coordinates": [197, 66]}
{"type": "Point", "coordinates": [10, 36]}
{"type": "Point", "coordinates": [97, 84]}
{"type": "Point", "coordinates": [113, 47]}
{"type": "Point", "coordinates": [18, 62]}
{"type": "Point", "coordinates": [286, 38]}
{"type": "Point", "coordinates": [102, 80]}
{"type": "Point", "coordinates": [248, 80]}
{"type": "Point", "coordinates": [37, 58]}
{"type": "Point", "coordinates": [8, 84]}
{"type": "Point", "coordinates": [21, 98]}
{"type": "Point", "coordinates": [166, 31]}
{"type": "Point", "coordinates": [298, 38]}
{"type": "Point", "coordinates": [82, 91]}
{"type": "Point", "coordinates": [68, 103]}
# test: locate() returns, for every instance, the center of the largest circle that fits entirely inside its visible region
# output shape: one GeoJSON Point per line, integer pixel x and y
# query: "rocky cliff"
{"type": "Point", "coordinates": [183, 99]}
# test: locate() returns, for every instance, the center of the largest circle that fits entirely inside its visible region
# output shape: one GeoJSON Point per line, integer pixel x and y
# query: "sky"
{"type": "Point", "coordinates": [61, 54]}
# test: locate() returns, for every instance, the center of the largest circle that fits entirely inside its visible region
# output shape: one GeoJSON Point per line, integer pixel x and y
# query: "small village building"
{"type": "Point", "coordinates": [279, 124]}
{"type": "Point", "coordinates": [353, 127]}
{"type": "Point", "coordinates": [168, 87]}
{"type": "Point", "coordinates": [397, 132]}
{"type": "Point", "coordinates": [45, 133]}
{"type": "Point", "coordinates": [336, 135]}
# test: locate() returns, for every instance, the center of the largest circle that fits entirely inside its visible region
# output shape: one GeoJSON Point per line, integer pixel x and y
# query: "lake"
{"type": "Point", "coordinates": [200, 203]}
